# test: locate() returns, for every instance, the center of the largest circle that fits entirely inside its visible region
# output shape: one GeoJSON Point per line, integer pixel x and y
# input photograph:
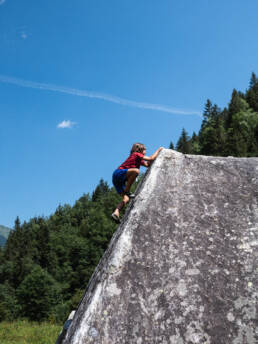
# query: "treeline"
{"type": "Point", "coordinates": [232, 131]}
{"type": "Point", "coordinates": [47, 262]}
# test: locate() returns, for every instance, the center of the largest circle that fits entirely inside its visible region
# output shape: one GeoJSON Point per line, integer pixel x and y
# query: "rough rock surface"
{"type": "Point", "coordinates": [182, 268]}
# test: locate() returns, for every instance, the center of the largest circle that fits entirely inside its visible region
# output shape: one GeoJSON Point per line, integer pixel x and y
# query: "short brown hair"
{"type": "Point", "coordinates": [137, 147]}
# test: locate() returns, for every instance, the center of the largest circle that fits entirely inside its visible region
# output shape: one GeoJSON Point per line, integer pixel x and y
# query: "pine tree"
{"type": "Point", "coordinates": [218, 148]}
{"type": "Point", "coordinates": [184, 143]}
{"type": "Point", "coordinates": [100, 190]}
{"type": "Point", "coordinates": [207, 112]}
{"type": "Point", "coordinates": [195, 144]}
{"type": "Point", "coordinates": [171, 146]}
{"type": "Point", "coordinates": [215, 112]}
{"type": "Point", "coordinates": [234, 107]}
{"type": "Point", "coordinates": [253, 81]}
{"type": "Point", "coordinates": [17, 224]}
{"type": "Point", "coordinates": [252, 93]}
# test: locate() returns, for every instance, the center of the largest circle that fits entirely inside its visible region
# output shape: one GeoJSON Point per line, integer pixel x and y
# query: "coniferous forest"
{"type": "Point", "coordinates": [47, 262]}
{"type": "Point", "coordinates": [232, 131]}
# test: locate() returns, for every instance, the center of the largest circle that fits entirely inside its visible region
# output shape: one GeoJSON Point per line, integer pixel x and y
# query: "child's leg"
{"type": "Point", "coordinates": [131, 175]}
{"type": "Point", "coordinates": [121, 205]}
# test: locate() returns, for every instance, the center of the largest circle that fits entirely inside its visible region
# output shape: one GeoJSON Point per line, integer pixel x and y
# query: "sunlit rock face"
{"type": "Point", "coordinates": [182, 268]}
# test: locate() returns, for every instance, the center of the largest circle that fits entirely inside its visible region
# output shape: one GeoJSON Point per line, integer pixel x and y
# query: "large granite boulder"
{"type": "Point", "coordinates": [182, 267]}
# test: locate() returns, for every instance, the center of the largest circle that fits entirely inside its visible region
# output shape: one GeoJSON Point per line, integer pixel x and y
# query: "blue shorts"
{"type": "Point", "coordinates": [119, 180]}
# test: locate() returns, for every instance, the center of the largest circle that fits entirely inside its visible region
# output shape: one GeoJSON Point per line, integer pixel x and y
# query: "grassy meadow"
{"type": "Point", "coordinates": [25, 332]}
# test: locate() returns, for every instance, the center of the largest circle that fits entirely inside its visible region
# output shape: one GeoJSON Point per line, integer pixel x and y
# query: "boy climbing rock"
{"type": "Point", "coordinates": [125, 174]}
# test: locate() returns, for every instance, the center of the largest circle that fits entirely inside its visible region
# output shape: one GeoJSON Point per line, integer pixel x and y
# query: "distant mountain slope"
{"type": "Point", "coordinates": [4, 232]}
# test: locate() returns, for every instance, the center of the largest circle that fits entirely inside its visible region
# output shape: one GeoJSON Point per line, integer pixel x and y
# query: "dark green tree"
{"type": "Point", "coordinates": [252, 93]}
{"type": "Point", "coordinates": [171, 146]}
{"type": "Point", "coordinates": [195, 144]}
{"type": "Point", "coordinates": [101, 190]}
{"type": "Point", "coordinates": [207, 113]}
{"type": "Point", "coordinates": [184, 143]}
{"type": "Point", "coordinates": [253, 81]}
{"type": "Point", "coordinates": [37, 294]}
{"type": "Point", "coordinates": [9, 306]}
{"type": "Point", "coordinates": [241, 137]}
{"type": "Point", "coordinates": [215, 112]}
{"type": "Point", "coordinates": [234, 107]}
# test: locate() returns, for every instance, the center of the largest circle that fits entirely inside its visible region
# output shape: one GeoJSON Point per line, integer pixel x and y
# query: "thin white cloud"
{"type": "Point", "coordinates": [23, 35]}
{"type": "Point", "coordinates": [1, 2]}
{"type": "Point", "coordinates": [66, 124]}
{"type": "Point", "coordinates": [103, 96]}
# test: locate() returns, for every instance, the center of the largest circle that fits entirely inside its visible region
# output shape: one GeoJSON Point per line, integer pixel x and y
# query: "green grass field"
{"type": "Point", "coordinates": [25, 332]}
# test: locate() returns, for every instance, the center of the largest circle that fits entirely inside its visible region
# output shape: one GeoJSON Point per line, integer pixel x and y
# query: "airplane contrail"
{"type": "Point", "coordinates": [96, 95]}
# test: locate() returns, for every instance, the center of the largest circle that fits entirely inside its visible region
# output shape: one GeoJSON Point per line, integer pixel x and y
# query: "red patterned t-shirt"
{"type": "Point", "coordinates": [134, 161]}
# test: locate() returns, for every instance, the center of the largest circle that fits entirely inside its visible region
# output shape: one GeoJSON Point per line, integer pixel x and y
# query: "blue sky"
{"type": "Point", "coordinates": [81, 81]}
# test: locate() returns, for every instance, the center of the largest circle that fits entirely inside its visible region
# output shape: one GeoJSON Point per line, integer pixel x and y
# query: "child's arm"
{"type": "Point", "coordinates": [152, 157]}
